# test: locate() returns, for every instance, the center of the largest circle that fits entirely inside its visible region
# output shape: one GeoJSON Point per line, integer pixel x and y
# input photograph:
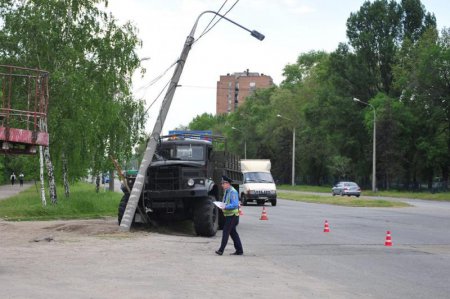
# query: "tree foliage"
{"type": "Point", "coordinates": [92, 113]}
{"type": "Point", "coordinates": [396, 61]}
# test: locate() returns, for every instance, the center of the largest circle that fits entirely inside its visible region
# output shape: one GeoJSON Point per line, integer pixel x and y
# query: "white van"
{"type": "Point", "coordinates": [258, 184]}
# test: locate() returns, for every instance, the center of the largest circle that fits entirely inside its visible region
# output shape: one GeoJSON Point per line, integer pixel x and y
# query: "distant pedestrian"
{"type": "Point", "coordinates": [21, 176]}
{"type": "Point", "coordinates": [231, 213]}
{"type": "Point", "coordinates": [13, 178]}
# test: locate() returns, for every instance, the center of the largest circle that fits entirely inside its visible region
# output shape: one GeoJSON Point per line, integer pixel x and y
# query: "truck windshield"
{"type": "Point", "coordinates": [258, 177]}
{"type": "Point", "coordinates": [185, 152]}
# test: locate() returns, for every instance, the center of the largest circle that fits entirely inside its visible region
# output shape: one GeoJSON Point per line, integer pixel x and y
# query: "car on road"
{"type": "Point", "coordinates": [105, 179]}
{"type": "Point", "coordinates": [346, 188]}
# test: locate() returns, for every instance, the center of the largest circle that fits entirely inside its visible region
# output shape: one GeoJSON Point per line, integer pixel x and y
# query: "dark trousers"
{"type": "Point", "coordinates": [229, 229]}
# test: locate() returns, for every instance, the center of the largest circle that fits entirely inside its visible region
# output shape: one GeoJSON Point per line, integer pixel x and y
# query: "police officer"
{"type": "Point", "coordinates": [231, 213]}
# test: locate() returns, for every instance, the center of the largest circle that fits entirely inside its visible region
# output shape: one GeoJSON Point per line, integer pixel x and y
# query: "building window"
{"type": "Point", "coordinates": [252, 88]}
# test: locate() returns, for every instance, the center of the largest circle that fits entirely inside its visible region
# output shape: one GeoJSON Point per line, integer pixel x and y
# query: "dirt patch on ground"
{"type": "Point", "coordinates": [14, 233]}
{"type": "Point", "coordinates": [89, 228]}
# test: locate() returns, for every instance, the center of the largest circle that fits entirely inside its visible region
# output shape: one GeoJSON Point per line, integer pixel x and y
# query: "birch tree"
{"type": "Point", "coordinates": [90, 59]}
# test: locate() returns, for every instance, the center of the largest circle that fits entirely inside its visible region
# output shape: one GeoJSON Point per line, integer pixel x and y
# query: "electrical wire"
{"type": "Point", "coordinates": [209, 29]}
{"type": "Point", "coordinates": [157, 78]}
{"type": "Point", "coordinates": [220, 88]}
{"type": "Point", "coordinates": [157, 97]}
{"type": "Point", "coordinates": [215, 16]}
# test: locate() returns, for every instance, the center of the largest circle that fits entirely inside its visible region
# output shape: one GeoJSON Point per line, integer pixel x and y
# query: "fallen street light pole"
{"type": "Point", "coordinates": [136, 192]}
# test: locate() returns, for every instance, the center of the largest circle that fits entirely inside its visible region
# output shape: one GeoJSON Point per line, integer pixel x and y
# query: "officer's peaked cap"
{"type": "Point", "coordinates": [226, 179]}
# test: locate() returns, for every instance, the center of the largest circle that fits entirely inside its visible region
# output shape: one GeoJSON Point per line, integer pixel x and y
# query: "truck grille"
{"type": "Point", "coordinates": [163, 178]}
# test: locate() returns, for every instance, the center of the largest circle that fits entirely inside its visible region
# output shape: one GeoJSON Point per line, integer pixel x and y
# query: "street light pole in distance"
{"type": "Point", "coordinates": [374, 149]}
{"type": "Point", "coordinates": [245, 142]}
{"type": "Point", "coordinates": [293, 147]}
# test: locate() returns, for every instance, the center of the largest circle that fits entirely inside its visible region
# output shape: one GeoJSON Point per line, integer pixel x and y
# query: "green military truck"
{"type": "Point", "coordinates": [183, 181]}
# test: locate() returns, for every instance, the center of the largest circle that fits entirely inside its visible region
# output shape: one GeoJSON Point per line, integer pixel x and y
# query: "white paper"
{"type": "Point", "coordinates": [219, 204]}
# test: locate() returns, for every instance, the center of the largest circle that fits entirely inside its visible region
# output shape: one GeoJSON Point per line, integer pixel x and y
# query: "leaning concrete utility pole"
{"type": "Point", "coordinates": [136, 192]}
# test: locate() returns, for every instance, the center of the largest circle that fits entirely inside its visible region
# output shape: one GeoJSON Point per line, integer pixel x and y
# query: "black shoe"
{"type": "Point", "coordinates": [219, 252]}
{"type": "Point", "coordinates": [237, 253]}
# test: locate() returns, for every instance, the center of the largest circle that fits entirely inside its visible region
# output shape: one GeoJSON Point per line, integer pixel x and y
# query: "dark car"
{"type": "Point", "coordinates": [346, 188]}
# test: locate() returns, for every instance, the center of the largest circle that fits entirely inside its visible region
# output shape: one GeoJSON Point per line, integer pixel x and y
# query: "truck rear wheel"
{"type": "Point", "coordinates": [206, 217]}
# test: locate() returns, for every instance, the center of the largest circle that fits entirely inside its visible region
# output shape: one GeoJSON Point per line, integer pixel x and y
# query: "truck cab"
{"type": "Point", "coordinates": [183, 181]}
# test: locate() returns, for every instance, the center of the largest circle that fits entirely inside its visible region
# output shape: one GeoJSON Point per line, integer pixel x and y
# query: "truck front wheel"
{"type": "Point", "coordinates": [206, 217]}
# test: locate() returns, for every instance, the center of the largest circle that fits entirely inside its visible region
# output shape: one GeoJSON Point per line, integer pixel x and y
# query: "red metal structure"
{"type": "Point", "coordinates": [23, 111]}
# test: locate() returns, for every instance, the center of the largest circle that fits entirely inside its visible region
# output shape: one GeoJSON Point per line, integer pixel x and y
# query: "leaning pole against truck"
{"type": "Point", "coordinates": [136, 192]}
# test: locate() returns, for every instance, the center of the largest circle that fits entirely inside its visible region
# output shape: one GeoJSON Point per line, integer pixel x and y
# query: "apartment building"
{"type": "Point", "coordinates": [233, 89]}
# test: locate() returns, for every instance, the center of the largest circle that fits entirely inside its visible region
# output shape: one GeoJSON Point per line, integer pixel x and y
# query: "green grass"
{"type": "Point", "coordinates": [83, 203]}
{"type": "Point", "coordinates": [443, 196]}
{"type": "Point", "coordinates": [305, 188]}
{"type": "Point", "coordinates": [341, 201]}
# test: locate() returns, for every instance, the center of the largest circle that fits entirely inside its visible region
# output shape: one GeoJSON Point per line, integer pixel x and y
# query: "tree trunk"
{"type": "Point", "coordinates": [51, 176]}
{"type": "Point", "coordinates": [111, 180]}
{"type": "Point", "coordinates": [65, 177]}
{"type": "Point", "coordinates": [41, 175]}
{"type": "Point", "coordinates": [97, 183]}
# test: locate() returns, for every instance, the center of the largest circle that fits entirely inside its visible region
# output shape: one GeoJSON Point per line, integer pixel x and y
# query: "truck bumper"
{"type": "Point", "coordinates": [173, 201]}
{"type": "Point", "coordinates": [266, 197]}
{"type": "Point", "coordinates": [171, 194]}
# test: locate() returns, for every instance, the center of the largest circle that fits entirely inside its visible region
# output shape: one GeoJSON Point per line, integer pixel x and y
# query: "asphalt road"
{"type": "Point", "coordinates": [9, 190]}
{"type": "Point", "coordinates": [352, 257]}
{"type": "Point", "coordinates": [287, 256]}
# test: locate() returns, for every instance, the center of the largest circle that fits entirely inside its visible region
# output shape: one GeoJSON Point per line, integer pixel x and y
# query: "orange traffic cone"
{"type": "Point", "coordinates": [264, 214]}
{"type": "Point", "coordinates": [241, 213]}
{"type": "Point", "coordinates": [388, 241]}
{"type": "Point", "coordinates": [326, 228]}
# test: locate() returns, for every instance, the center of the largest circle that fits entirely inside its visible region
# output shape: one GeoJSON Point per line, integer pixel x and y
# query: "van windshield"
{"type": "Point", "coordinates": [258, 177]}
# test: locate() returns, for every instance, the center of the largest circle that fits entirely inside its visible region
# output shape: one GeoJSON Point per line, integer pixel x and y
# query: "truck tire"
{"type": "Point", "coordinates": [122, 206]}
{"type": "Point", "coordinates": [206, 217]}
{"type": "Point", "coordinates": [273, 202]}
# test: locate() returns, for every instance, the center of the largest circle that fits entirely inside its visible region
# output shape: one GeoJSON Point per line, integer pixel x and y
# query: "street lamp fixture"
{"type": "Point", "coordinates": [293, 147]}
{"type": "Point", "coordinates": [374, 149]}
{"type": "Point", "coordinates": [253, 33]}
{"type": "Point", "coordinates": [245, 141]}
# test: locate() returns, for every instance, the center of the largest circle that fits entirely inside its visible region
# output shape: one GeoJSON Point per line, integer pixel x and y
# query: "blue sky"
{"type": "Point", "coordinates": [291, 27]}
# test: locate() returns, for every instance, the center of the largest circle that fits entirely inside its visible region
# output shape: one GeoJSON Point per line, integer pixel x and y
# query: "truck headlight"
{"type": "Point", "coordinates": [191, 182]}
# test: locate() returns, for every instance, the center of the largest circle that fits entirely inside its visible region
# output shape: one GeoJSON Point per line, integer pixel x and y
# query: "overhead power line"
{"type": "Point", "coordinates": [209, 29]}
